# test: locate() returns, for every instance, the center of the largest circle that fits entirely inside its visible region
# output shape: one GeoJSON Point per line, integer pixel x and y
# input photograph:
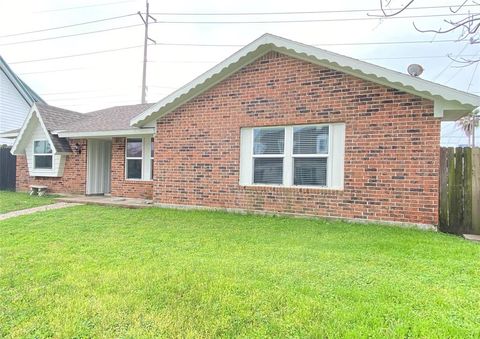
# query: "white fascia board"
{"type": "Point", "coordinates": [268, 42]}
{"type": "Point", "coordinates": [21, 134]}
{"type": "Point", "coordinates": [99, 134]}
{"type": "Point", "coordinates": [10, 135]}
{"type": "Point", "coordinates": [15, 82]}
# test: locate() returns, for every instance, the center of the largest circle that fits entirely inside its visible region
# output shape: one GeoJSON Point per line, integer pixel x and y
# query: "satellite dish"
{"type": "Point", "coordinates": [415, 70]}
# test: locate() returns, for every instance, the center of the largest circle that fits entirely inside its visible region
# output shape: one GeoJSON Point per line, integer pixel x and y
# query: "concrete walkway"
{"type": "Point", "coordinates": [107, 201]}
{"type": "Point", "coordinates": [36, 209]}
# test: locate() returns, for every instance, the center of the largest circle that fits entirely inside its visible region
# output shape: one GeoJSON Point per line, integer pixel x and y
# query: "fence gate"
{"type": "Point", "coordinates": [459, 205]}
{"type": "Point", "coordinates": [7, 169]}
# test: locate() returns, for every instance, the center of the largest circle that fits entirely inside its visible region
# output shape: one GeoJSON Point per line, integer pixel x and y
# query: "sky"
{"type": "Point", "coordinates": [90, 82]}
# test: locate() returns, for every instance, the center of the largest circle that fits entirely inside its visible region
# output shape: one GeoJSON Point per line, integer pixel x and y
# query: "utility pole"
{"type": "Point", "coordinates": [145, 50]}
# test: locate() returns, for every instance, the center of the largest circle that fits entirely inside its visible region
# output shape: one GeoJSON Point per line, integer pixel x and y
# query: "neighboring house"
{"type": "Point", "coordinates": [279, 127]}
{"type": "Point", "coordinates": [16, 99]}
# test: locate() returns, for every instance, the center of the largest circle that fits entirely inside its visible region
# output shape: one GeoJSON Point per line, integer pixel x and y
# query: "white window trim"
{"type": "Point", "coordinates": [41, 154]}
{"type": "Point", "coordinates": [275, 156]}
{"type": "Point", "coordinates": [152, 157]}
{"type": "Point", "coordinates": [144, 177]}
{"type": "Point", "coordinates": [247, 176]}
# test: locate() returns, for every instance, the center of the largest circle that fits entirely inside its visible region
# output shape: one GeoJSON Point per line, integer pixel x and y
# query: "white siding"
{"type": "Point", "coordinates": [13, 107]}
{"type": "Point", "coordinates": [58, 160]}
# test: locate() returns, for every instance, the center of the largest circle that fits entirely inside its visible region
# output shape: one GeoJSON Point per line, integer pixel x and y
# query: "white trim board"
{"type": "Point", "coordinates": [113, 133]}
{"type": "Point", "coordinates": [441, 95]}
{"type": "Point", "coordinates": [21, 134]}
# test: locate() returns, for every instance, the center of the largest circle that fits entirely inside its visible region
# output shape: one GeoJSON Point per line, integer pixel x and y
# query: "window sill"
{"type": "Point", "coordinates": [264, 187]}
{"type": "Point", "coordinates": [138, 180]}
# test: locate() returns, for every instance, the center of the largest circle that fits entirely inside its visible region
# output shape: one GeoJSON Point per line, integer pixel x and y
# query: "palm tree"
{"type": "Point", "coordinates": [468, 124]}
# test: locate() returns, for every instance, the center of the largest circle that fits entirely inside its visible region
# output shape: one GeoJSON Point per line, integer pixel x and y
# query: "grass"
{"type": "Point", "coordinates": [92, 271]}
{"type": "Point", "coordinates": [14, 201]}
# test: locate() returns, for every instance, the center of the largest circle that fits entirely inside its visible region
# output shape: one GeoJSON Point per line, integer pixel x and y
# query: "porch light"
{"type": "Point", "coordinates": [78, 148]}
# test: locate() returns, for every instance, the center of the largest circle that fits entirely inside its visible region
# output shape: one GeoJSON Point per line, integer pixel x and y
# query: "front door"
{"type": "Point", "coordinates": [99, 156]}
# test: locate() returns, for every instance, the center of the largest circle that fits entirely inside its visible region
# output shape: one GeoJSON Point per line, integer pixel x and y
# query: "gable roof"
{"type": "Point", "coordinates": [59, 124]}
{"type": "Point", "coordinates": [445, 98]}
{"type": "Point", "coordinates": [25, 91]}
{"type": "Point", "coordinates": [50, 118]}
{"type": "Point", "coordinates": [108, 119]}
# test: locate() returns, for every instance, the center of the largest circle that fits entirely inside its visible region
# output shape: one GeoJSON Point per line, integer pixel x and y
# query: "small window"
{"type": "Point", "coordinates": [268, 153]}
{"type": "Point", "coordinates": [42, 155]}
{"type": "Point", "coordinates": [151, 158]}
{"type": "Point", "coordinates": [134, 152]}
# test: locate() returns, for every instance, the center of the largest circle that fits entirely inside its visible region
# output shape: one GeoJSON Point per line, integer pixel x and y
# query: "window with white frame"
{"type": "Point", "coordinates": [268, 153]}
{"type": "Point", "coordinates": [303, 155]}
{"type": "Point", "coordinates": [42, 155]}
{"type": "Point", "coordinates": [134, 158]}
{"type": "Point", "coordinates": [310, 155]}
{"type": "Point", "coordinates": [139, 158]}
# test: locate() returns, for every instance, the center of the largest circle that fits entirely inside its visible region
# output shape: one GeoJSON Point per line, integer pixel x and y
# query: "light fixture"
{"type": "Point", "coordinates": [78, 148]}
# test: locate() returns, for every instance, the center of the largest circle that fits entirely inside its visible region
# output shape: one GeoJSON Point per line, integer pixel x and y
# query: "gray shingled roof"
{"type": "Point", "coordinates": [108, 119]}
{"type": "Point", "coordinates": [54, 118]}
{"type": "Point", "coordinates": [59, 119]}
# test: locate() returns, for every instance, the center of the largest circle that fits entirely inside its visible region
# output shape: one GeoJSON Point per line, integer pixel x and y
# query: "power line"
{"type": "Point", "coordinates": [86, 6]}
{"type": "Point", "coordinates": [137, 46]}
{"type": "Point", "coordinates": [103, 90]}
{"type": "Point", "coordinates": [450, 63]}
{"type": "Point", "coordinates": [296, 12]}
{"type": "Point", "coordinates": [53, 71]}
{"type": "Point", "coordinates": [67, 26]}
{"type": "Point", "coordinates": [473, 75]}
{"type": "Point", "coordinates": [252, 13]}
{"type": "Point", "coordinates": [76, 55]}
{"type": "Point", "coordinates": [320, 44]}
{"type": "Point", "coordinates": [69, 35]}
{"type": "Point", "coordinates": [90, 97]}
{"type": "Point", "coordinates": [309, 20]}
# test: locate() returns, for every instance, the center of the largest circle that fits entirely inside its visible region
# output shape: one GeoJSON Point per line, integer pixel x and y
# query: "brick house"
{"type": "Point", "coordinates": [278, 127]}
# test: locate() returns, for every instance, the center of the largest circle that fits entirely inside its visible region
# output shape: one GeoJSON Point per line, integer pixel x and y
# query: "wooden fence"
{"type": "Point", "coordinates": [7, 169]}
{"type": "Point", "coordinates": [459, 205]}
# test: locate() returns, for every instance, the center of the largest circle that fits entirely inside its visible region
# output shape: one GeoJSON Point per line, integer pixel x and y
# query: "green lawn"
{"type": "Point", "coordinates": [92, 271]}
{"type": "Point", "coordinates": [13, 201]}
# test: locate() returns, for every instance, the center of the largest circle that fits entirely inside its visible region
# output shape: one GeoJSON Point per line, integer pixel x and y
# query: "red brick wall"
{"type": "Point", "coordinates": [75, 174]}
{"type": "Point", "coordinates": [391, 146]}
{"type": "Point", "coordinates": [73, 179]}
{"type": "Point", "coordinates": [120, 186]}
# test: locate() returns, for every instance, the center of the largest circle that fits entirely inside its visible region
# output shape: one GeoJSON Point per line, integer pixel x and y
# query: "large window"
{"type": "Point", "coordinates": [304, 155]}
{"type": "Point", "coordinates": [134, 156]}
{"type": "Point", "coordinates": [42, 155]}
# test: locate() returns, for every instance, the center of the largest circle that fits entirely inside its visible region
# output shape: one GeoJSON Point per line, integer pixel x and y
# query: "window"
{"type": "Point", "coordinates": [268, 149]}
{"type": "Point", "coordinates": [304, 155]}
{"type": "Point", "coordinates": [42, 155]}
{"type": "Point", "coordinates": [151, 158]}
{"type": "Point", "coordinates": [134, 156]}
{"type": "Point", "coordinates": [310, 155]}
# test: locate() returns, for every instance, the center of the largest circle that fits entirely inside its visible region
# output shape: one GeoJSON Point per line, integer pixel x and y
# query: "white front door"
{"type": "Point", "coordinates": [99, 157]}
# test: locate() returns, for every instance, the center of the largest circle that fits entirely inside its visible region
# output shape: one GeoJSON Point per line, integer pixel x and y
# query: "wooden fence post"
{"type": "Point", "coordinates": [476, 190]}
{"type": "Point", "coordinates": [443, 201]}
{"type": "Point", "coordinates": [467, 189]}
